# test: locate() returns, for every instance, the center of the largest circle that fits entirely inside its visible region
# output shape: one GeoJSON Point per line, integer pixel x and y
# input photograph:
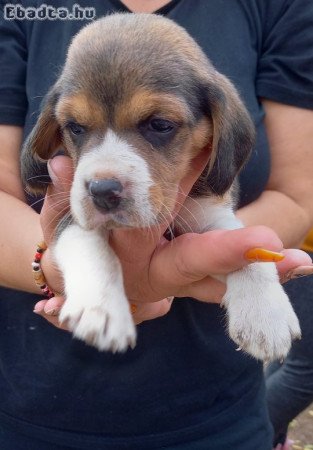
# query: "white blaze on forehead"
{"type": "Point", "coordinates": [114, 158]}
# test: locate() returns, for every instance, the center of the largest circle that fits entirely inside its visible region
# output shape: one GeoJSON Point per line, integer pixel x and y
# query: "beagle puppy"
{"type": "Point", "coordinates": [137, 100]}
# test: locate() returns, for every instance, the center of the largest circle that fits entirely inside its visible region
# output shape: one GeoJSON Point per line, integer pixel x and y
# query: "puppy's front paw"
{"type": "Point", "coordinates": [106, 325]}
{"type": "Point", "coordinates": [261, 320]}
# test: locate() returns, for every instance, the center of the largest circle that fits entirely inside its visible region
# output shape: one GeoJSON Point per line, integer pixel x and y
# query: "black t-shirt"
{"type": "Point", "coordinates": [184, 381]}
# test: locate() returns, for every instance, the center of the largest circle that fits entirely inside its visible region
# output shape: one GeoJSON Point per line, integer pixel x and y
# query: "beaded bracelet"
{"type": "Point", "coordinates": [39, 277]}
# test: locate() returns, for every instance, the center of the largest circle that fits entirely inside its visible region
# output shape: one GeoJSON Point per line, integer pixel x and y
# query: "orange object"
{"type": "Point", "coordinates": [133, 308]}
{"type": "Point", "coordinates": [308, 243]}
{"type": "Point", "coordinates": [262, 255]}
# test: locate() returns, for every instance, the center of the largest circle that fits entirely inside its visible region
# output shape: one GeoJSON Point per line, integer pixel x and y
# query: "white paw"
{"type": "Point", "coordinates": [261, 319]}
{"type": "Point", "coordinates": [106, 325]}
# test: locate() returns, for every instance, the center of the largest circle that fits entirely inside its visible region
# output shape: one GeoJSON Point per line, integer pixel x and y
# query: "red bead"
{"type": "Point", "coordinates": [38, 256]}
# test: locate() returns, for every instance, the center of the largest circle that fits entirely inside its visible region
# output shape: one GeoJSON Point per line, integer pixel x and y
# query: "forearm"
{"type": "Point", "coordinates": [20, 231]}
{"type": "Point", "coordinates": [286, 205]}
{"type": "Point", "coordinates": [281, 213]}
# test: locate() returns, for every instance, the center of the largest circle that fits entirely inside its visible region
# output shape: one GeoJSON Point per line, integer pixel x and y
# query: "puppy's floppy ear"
{"type": "Point", "coordinates": [233, 134]}
{"type": "Point", "coordinates": [40, 145]}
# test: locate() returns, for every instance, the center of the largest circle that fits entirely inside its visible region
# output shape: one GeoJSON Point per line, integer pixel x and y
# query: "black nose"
{"type": "Point", "coordinates": [105, 193]}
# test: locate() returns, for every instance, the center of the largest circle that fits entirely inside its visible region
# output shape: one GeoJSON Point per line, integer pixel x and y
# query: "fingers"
{"type": "Point", "coordinates": [192, 257]}
{"type": "Point", "coordinates": [56, 202]}
{"type": "Point", "coordinates": [149, 311]}
{"type": "Point", "coordinates": [296, 264]}
{"type": "Point", "coordinates": [207, 290]}
{"type": "Point", "coordinates": [49, 310]}
{"type": "Point", "coordinates": [55, 206]}
{"type": "Point", "coordinates": [197, 166]}
{"type": "Point", "coordinates": [293, 258]}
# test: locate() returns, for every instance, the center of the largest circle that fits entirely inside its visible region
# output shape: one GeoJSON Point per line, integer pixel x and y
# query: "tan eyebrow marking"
{"type": "Point", "coordinates": [81, 108]}
{"type": "Point", "coordinates": [144, 103]}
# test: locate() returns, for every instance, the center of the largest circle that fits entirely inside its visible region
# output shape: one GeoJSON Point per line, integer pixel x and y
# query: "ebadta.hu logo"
{"type": "Point", "coordinates": [47, 12]}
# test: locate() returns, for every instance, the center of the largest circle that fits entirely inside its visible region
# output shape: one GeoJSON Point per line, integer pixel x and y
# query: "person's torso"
{"type": "Point", "coordinates": [184, 373]}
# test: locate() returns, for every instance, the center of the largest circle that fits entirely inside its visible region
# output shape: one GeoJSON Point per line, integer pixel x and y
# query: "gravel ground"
{"type": "Point", "coordinates": [301, 430]}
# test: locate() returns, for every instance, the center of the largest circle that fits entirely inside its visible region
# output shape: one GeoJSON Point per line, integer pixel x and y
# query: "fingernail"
{"type": "Point", "coordinates": [170, 299]}
{"type": "Point", "coordinates": [263, 255]}
{"type": "Point", "coordinates": [299, 272]}
{"type": "Point", "coordinates": [53, 312]}
{"type": "Point", "coordinates": [39, 307]}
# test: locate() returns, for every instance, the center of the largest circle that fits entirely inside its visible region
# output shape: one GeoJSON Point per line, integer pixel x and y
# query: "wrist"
{"type": "Point", "coordinates": [51, 272]}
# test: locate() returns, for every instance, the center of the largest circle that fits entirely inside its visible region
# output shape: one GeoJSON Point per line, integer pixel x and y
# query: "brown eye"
{"type": "Point", "coordinates": [161, 125]}
{"type": "Point", "coordinates": [76, 129]}
{"type": "Point", "coordinates": [159, 132]}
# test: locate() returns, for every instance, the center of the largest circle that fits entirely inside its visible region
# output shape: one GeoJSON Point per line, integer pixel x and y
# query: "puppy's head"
{"type": "Point", "coordinates": [136, 101]}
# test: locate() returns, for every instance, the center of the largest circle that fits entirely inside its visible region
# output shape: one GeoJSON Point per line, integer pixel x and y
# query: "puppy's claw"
{"type": "Point", "coordinates": [100, 326]}
{"type": "Point", "coordinates": [131, 343]}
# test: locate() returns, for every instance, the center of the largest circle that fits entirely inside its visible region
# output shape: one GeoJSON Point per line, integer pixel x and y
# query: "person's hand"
{"type": "Point", "coordinates": [56, 204]}
{"type": "Point", "coordinates": [154, 268]}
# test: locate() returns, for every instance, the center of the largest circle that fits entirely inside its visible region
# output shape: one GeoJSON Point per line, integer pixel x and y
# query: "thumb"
{"type": "Point", "coordinates": [57, 199]}
{"type": "Point", "coordinates": [197, 166]}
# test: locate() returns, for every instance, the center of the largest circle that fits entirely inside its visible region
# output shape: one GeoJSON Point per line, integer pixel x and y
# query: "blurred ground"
{"type": "Point", "coordinates": [301, 430]}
